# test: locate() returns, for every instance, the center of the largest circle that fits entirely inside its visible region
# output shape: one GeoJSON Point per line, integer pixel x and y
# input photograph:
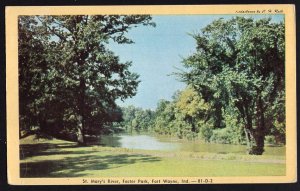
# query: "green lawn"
{"type": "Point", "coordinates": [57, 158]}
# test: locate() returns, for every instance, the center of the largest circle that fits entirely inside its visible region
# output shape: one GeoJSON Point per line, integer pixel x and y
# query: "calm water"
{"type": "Point", "coordinates": [147, 142]}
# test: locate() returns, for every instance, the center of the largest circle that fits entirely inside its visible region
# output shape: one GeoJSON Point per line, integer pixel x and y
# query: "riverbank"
{"type": "Point", "coordinates": [58, 158]}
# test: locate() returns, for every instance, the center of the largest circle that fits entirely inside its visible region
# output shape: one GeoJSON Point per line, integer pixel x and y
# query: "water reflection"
{"type": "Point", "coordinates": [144, 142]}
{"type": "Point", "coordinates": [147, 142]}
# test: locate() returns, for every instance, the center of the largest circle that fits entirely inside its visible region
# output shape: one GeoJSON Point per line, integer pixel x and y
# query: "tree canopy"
{"type": "Point", "coordinates": [68, 76]}
{"type": "Point", "coordinates": [238, 67]}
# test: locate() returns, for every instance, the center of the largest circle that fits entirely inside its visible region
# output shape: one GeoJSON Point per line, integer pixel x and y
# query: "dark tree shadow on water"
{"type": "Point", "coordinates": [78, 165]}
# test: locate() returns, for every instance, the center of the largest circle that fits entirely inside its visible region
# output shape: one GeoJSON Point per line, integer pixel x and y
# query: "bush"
{"type": "Point", "coordinates": [270, 139]}
{"type": "Point", "coordinates": [233, 131]}
{"type": "Point", "coordinates": [220, 136]}
{"type": "Point", "coordinates": [227, 136]}
{"type": "Point", "coordinates": [206, 132]}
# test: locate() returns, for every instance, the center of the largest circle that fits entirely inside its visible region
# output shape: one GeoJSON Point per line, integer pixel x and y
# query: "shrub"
{"type": "Point", "coordinates": [270, 139]}
{"type": "Point", "coordinates": [206, 132]}
{"type": "Point", "coordinates": [227, 135]}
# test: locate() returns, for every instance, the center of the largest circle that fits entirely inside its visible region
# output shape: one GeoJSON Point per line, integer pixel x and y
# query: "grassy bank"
{"type": "Point", "coordinates": [57, 158]}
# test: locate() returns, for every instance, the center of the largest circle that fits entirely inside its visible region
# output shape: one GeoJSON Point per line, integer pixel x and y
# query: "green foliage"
{"type": "Point", "coordinates": [270, 139]}
{"type": "Point", "coordinates": [185, 116]}
{"type": "Point", "coordinates": [238, 68]}
{"type": "Point", "coordinates": [194, 111]}
{"type": "Point", "coordinates": [67, 75]}
{"type": "Point", "coordinates": [206, 131]}
{"type": "Point", "coordinates": [137, 119]}
{"type": "Point", "coordinates": [226, 136]}
{"type": "Point", "coordinates": [164, 117]}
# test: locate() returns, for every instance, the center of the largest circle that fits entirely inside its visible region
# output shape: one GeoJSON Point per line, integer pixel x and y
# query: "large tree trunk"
{"type": "Point", "coordinates": [256, 146]}
{"type": "Point", "coordinates": [255, 142]}
{"type": "Point", "coordinates": [80, 137]}
{"type": "Point", "coordinates": [256, 136]}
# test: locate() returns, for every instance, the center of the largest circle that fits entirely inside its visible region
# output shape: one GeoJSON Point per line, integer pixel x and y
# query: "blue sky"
{"type": "Point", "coordinates": [158, 51]}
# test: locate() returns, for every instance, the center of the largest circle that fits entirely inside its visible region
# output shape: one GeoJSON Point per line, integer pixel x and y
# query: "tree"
{"type": "Point", "coordinates": [164, 118]}
{"type": "Point", "coordinates": [239, 66]}
{"type": "Point", "coordinates": [33, 89]}
{"type": "Point", "coordinates": [79, 79]}
{"type": "Point", "coordinates": [137, 119]}
{"type": "Point", "coordinates": [195, 111]}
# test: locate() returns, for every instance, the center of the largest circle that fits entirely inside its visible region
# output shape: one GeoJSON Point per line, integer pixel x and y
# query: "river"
{"type": "Point", "coordinates": [151, 142]}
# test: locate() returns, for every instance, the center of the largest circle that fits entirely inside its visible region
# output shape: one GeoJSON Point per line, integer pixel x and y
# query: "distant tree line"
{"type": "Point", "coordinates": [137, 120]}
{"type": "Point", "coordinates": [186, 116]}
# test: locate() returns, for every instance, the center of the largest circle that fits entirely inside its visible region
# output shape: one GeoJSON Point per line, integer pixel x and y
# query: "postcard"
{"type": "Point", "coordinates": [129, 95]}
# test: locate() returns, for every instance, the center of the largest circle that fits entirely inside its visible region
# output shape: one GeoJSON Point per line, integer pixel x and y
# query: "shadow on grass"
{"type": "Point", "coordinates": [81, 163]}
{"type": "Point", "coordinates": [39, 149]}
